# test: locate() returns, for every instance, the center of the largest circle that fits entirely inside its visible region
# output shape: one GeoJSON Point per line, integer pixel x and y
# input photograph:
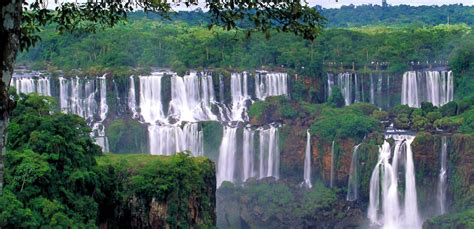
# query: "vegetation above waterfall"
{"type": "Point", "coordinates": [53, 180]}
{"type": "Point", "coordinates": [144, 43]}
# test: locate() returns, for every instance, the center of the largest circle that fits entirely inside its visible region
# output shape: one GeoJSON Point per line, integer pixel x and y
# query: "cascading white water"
{"type": "Point", "coordinates": [248, 154]}
{"type": "Point", "coordinates": [270, 84]}
{"type": "Point", "coordinates": [151, 107]}
{"type": "Point", "coordinates": [29, 84]}
{"type": "Point", "coordinates": [442, 185]}
{"type": "Point", "coordinates": [226, 162]}
{"type": "Point", "coordinates": [169, 139]}
{"type": "Point", "coordinates": [78, 96]}
{"type": "Point", "coordinates": [344, 82]}
{"type": "Point", "coordinates": [430, 86]}
{"type": "Point", "coordinates": [384, 206]}
{"type": "Point", "coordinates": [331, 179]}
{"type": "Point", "coordinates": [104, 108]}
{"type": "Point", "coordinates": [353, 183]}
{"type": "Point", "coordinates": [132, 101]}
{"type": "Point", "coordinates": [307, 162]}
{"type": "Point", "coordinates": [269, 153]}
{"type": "Point", "coordinates": [239, 95]}
{"type": "Point", "coordinates": [191, 97]}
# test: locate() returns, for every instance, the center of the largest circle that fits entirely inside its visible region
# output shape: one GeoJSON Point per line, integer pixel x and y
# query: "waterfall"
{"type": "Point", "coordinates": [353, 183]}
{"type": "Point", "coordinates": [32, 84]}
{"type": "Point", "coordinates": [79, 96]}
{"type": "Point", "coordinates": [330, 83]}
{"type": "Point", "coordinates": [191, 97]}
{"type": "Point", "coordinates": [384, 206]}
{"type": "Point", "coordinates": [248, 154]}
{"type": "Point", "coordinates": [132, 101]}
{"type": "Point", "coordinates": [372, 89]}
{"type": "Point", "coordinates": [442, 185]}
{"type": "Point", "coordinates": [226, 162]}
{"type": "Point", "coordinates": [270, 84]}
{"type": "Point", "coordinates": [269, 153]}
{"type": "Point", "coordinates": [307, 162]}
{"type": "Point", "coordinates": [430, 86]}
{"type": "Point", "coordinates": [239, 95]}
{"type": "Point", "coordinates": [169, 139]}
{"type": "Point", "coordinates": [331, 181]}
{"type": "Point", "coordinates": [358, 97]}
{"type": "Point", "coordinates": [151, 107]}
{"type": "Point", "coordinates": [104, 108]}
{"type": "Point", "coordinates": [344, 80]}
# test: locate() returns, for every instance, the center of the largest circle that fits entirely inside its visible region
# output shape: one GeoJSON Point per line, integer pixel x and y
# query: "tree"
{"type": "Point", "coordinates": [21, 19]}
{"type": "Point", "coordinates": [336, 99]}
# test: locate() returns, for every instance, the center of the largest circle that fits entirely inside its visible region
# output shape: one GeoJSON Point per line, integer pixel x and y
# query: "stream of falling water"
{"type": "Point", "coordinates": [442, 183]}
{"type": "Point", "coordinates": [307, 162]}
{"type": "Point", "coordinates": [331, 178]}
{"type": "Point", "coordinates": [385, 209]}
{"type": "Point", "coordinates": [353, 183]}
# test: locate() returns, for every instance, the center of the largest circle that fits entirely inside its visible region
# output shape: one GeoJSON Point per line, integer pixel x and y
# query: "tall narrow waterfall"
{"type": "Point", "coordinates": [430, 86]}
{"type": "Point", "coordinates": [384, 206]}
{"type": "Point", "coordinates": [270, 84]}
{"type": "Point", "coordinates": [248, 154]}
{"type": "Point", "coordinates": [442, 185]}
{"type": "Point", "coordinates": [307, 162]}
{"type": "Point", "coordinates": [132, 100]}
{"type": "Point", "coordinates": [151, 107]}
{"type": "Point", "coordinates": [226, 162]}
{"type": "Point", "coordinates": [239, 93]}
{"type": "Point", "coordinates": [269, 153]}
{"type": "Point", "coordinates": [353, 183]}
{"type": "Point", "coordinates": [331, 181]}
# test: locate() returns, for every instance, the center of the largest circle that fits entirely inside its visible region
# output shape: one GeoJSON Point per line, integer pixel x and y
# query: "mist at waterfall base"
{"type": "Point", "coordinates": [174, 110]}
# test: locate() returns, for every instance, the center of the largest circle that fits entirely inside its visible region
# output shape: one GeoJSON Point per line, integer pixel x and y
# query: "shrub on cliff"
{"type": "Point", "coordinates": [336, 99]}
{"type": "Point", "coordinates": [364, 108]}
{"type": "Point", "coordinates": [449, 109]}
{"type": "Point", "coordinates": [449, 123]}
{"type": "Point", "coordinates": [380, 115]}
{"type": "Point", "coordinates": [464, 219]}
{"type": "Point", "coordinates": [343, 123]}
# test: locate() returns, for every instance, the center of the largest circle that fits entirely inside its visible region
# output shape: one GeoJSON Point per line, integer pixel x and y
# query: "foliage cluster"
{"type": "Point", "coordinates": [53, 180]}
{"type": "Point", "coordinates": [50, 171]}
{"type": "Point", "coordinates": [455, 116]}
{"type": "Point", "coordinates": [279, 199]}
{"type": "Point", "coordinates": [144, 43]}
{"type": "Point", "coordinates": [173, 182]}
{"type": "Point", "coordinates": [364, 15]}
{"type": "Point", "coordinates": [352, 121]}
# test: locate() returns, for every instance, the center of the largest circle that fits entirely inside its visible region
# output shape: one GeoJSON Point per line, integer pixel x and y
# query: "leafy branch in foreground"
{"type": "Point", "coordinates": [262, 16]}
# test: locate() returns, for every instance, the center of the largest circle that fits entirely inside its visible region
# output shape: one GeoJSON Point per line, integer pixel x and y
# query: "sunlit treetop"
{"type": "Point", "coordinates": [258, 16]}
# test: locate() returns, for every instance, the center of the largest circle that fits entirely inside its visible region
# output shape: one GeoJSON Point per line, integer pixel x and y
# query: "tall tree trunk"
{"type": "Point", "coordinates": [10, 17]}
